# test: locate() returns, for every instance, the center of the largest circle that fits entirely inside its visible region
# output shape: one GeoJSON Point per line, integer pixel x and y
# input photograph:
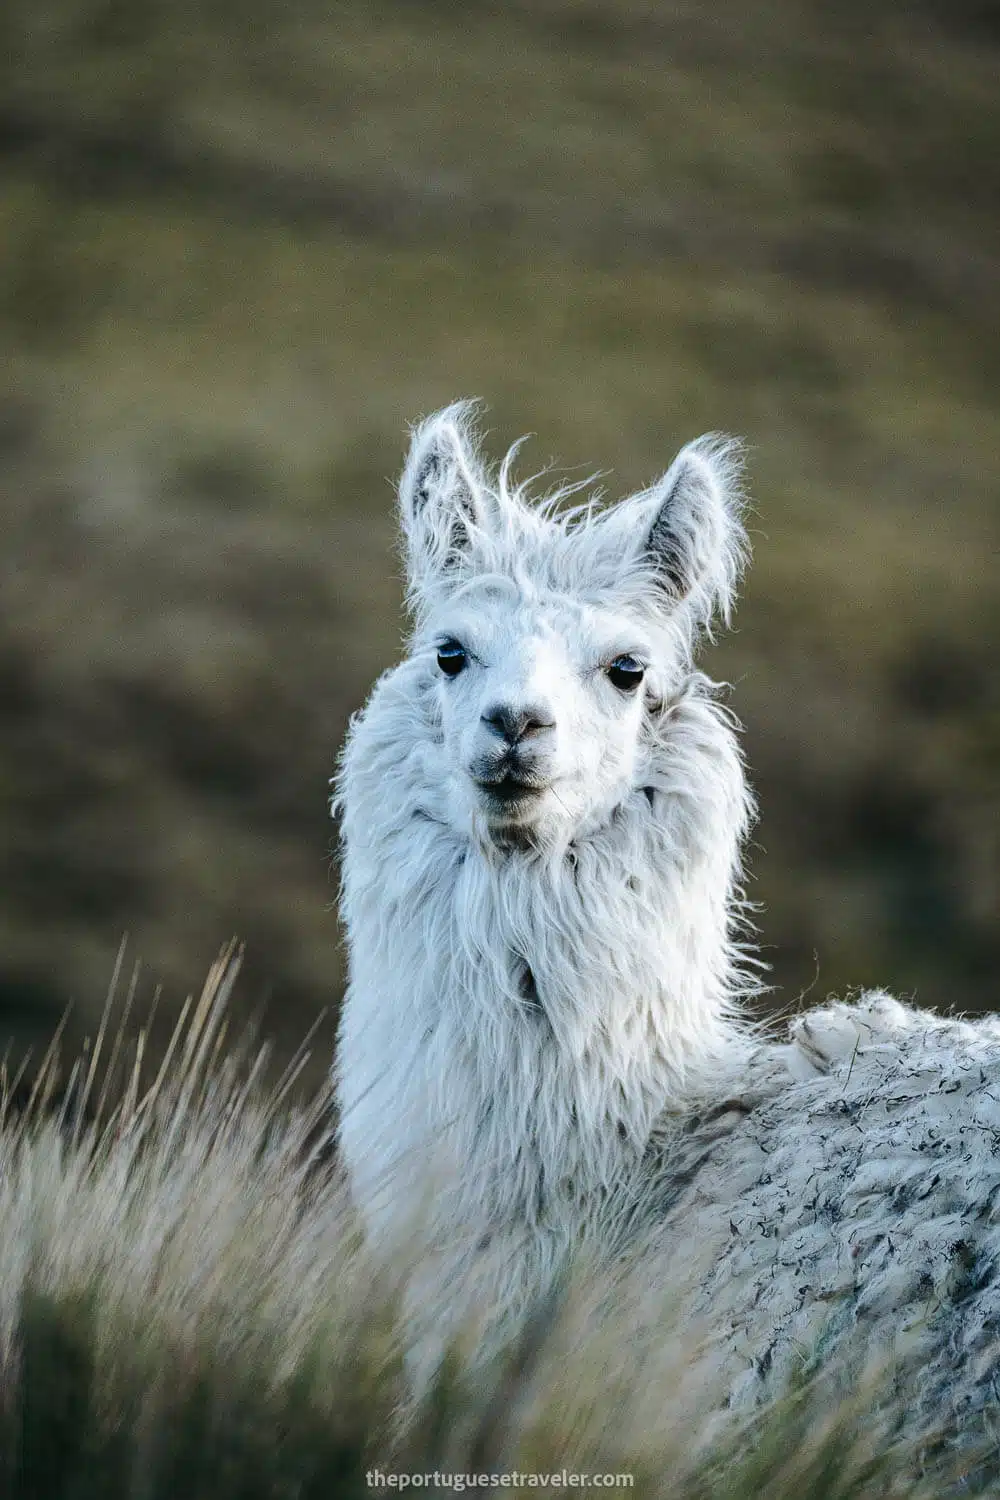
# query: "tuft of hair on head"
{"type": "Point", "coordinates": [444, 495]}
{"type": "Point", "coordinates": [696, 545]}
{"type": "Point", "coordinates": [682, 541]}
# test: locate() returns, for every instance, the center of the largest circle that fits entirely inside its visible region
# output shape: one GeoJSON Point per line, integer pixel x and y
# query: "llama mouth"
{"type": "Point", "coordinates": [509, 792]}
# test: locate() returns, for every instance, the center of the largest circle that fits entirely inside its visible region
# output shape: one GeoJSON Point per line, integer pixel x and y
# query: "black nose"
{"type": "Point", "coordinates": [516, 724]}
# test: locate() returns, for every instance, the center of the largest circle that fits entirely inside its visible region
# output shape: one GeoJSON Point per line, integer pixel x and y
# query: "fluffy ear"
{"type": "Point", "coordinates": [442, 494]}
{"type": "Point", "coordinates": [696, 543]}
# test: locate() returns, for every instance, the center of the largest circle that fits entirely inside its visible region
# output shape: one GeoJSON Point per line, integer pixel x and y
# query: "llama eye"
{"type": "Point", "coordinates": [626, 673]}
{"type": "Point", "coordinates": [451, 658]}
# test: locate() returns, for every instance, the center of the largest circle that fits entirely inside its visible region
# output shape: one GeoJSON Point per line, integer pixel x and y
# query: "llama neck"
{"type": "Point", "coordinates": [538, 1011]}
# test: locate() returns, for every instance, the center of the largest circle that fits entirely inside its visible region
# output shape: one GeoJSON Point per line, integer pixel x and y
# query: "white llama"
{"type": "Point", "coordinates": [543, 808]}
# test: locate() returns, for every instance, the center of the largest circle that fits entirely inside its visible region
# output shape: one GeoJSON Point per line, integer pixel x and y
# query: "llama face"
{"type": "Point", "coordinates": [541, 701]}
{"type": "Point", "coordinates": [550, 638]}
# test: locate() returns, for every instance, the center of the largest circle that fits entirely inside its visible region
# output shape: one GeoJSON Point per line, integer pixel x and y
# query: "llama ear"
{"type": "Point", "coordinates": [696, 542]}
{"type": "Point", "coordinates": [442, 495]}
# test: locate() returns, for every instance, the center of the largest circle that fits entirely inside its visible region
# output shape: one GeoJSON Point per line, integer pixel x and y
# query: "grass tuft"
{"type": "Point", "coordinates": [187, 1309]}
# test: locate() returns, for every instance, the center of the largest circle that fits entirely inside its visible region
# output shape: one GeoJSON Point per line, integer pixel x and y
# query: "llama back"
{"type": "Point", "coordinates": [857, 1210]}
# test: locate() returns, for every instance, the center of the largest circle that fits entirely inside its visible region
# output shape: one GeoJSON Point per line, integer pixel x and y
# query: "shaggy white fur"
{"type": "Point", "coordinates": [538, 970]}
{"type": "Point", "coordinates": [542, 1045]}
{"type": "Point", "coordinates": [857, 1210]}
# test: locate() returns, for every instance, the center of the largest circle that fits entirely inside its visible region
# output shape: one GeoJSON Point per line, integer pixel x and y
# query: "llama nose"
{"type": "Point", "coordinates": [516, 724]}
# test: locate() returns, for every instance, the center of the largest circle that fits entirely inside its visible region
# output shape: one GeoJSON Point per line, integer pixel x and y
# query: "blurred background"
{"type": "Point", "coordinates": [242, 245]}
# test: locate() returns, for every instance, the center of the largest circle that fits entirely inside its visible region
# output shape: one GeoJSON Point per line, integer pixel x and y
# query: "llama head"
{"type": "Point", "coordinates": [555, 639]}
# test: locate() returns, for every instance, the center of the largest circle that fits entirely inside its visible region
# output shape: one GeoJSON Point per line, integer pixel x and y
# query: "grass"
{"type": "Point", "coordinates": [186, 1308]}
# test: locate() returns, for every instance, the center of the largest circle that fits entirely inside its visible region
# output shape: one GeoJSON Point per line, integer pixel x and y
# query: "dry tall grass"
{"type": "Point", "coordinates": [186, 1310]}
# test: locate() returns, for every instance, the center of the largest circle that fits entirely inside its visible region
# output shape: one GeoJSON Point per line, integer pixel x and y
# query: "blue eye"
{"type": "Point", "coordinates": [451, 658]}
{"type": "Point", "coordinates": [626, 673]}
